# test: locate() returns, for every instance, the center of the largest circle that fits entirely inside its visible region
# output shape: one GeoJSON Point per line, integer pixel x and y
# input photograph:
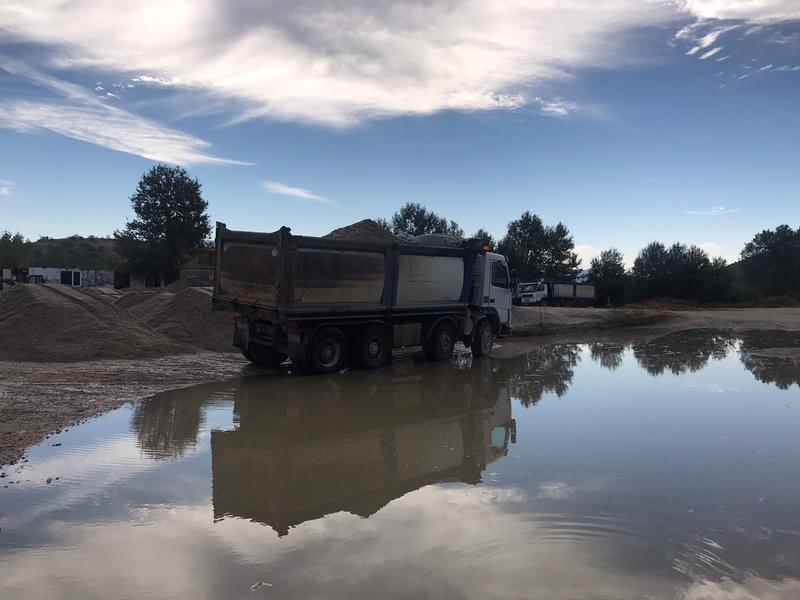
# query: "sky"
{"type": "Point", "coordinates": [627, 120]}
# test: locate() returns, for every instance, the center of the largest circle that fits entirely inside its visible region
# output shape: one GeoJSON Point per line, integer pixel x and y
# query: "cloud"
{"type": "Point", "coordinates": [753, 11]}
{"type": "Point", "coordinates": [710, 53]}
{"type": "Point", "coordinates": [555, 108]}
{"type": "Point", "coordinates": [79, 115]}
{"type": "Point", "coordinates": [586, 253]}
{"type": "Point", "coordinates": [340, 63]}
{"type": "Point", "coordinates": [6, 187]}
{"type": "Point", "coordinates": [281, 189]}
{"type": "Point", "coordinates": [714, 211]}
{"type": "Point", "coordinates": [710, 248]}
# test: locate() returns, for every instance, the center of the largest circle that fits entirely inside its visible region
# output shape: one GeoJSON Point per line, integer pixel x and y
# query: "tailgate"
{"type": "Point", "coordinates": [247, 267]}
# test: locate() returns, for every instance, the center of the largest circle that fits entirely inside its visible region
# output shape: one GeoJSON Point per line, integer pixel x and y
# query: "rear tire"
{"type": "Point", "coordinates": [373, 347]}
{"type": "Point", "coordinates": [440, 345]}
{"type": "Point", "coordinates": [484, 339]}
{"type": "Point", "coordinates": [264, 356]}
{"type": "Point", "coordinates": [327, 352]}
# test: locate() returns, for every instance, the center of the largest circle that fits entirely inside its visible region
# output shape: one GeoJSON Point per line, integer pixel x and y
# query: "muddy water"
{"type": "Point", "coordinates": [667, 468]}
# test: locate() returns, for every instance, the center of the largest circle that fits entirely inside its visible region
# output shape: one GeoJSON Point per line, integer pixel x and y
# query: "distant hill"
{"type": "Point", "coordinates": [75, 251]}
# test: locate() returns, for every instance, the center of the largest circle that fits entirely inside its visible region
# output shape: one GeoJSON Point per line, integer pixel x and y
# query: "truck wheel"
{"type": "Point", "coordinates": [440, 345]}
{"type": "Point", "coordinates": [484, 339]}
{"type": "Point", "coordinates": [264, 356]}
{"type": "Point", "coordinates": [373, 347]}
{"type": "Point", "coordinates": [327, 352]}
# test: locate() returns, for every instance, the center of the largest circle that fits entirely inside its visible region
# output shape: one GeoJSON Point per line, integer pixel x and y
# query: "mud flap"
{"type": "Point", "coordinates": [241, 336]}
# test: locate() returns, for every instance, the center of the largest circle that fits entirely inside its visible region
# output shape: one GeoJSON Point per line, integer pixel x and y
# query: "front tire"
{"type": "Point", "coordinates": [484, 339]}
{"type": "Point", "coordinates": [327, 352]}
{"type": "Point", "coordinates": [440, 345]}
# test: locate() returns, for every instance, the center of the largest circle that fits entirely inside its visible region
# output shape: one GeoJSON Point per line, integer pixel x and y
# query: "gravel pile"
{"type": "Point", "coordinates": [185, 317]}
{"type": "Point", "coordinates": [55, 323]}
{"type": "Point", "coordinates": [363, 231]}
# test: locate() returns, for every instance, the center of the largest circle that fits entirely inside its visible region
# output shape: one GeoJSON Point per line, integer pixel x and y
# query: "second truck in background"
{"type": "Point", "coordinates": [552, 293]}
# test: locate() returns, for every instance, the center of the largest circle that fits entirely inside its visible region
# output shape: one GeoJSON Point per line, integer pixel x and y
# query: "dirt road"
{"type": "Point", "coordinates": [39, 398]}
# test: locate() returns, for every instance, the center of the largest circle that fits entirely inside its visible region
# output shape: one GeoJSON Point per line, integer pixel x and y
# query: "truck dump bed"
{"type": "Point", "coordinates": [300, 275]}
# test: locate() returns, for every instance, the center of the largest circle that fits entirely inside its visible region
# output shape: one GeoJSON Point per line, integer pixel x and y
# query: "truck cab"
{"type": "Point", "coordinates": [497, 294]}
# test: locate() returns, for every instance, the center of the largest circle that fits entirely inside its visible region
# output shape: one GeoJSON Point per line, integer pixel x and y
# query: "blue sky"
{"type": "Point", "coordinates": [627, 120]}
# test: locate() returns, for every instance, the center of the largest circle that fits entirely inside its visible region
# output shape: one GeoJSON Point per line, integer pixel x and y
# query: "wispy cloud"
{"type": "Point", "coordinates": [714, 211]}
{"type": "Point", "coordinates": [6, 187]}
{"type": "Point", "coordinates": [80, 115]}
{"type": "Point", "coordinates": [710, 53]}
{"type": "Point", "coordinates": [281, 189]}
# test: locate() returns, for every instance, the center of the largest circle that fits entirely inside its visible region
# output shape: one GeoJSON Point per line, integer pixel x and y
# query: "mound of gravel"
{"type": "Point", "coordinates": [55, 323]}
{"type": "Point", "coordinates": [363, 231]}
{"type": "Point", "coordinates": [186, 317]}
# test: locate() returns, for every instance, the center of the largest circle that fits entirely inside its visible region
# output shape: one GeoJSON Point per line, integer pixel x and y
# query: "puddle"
{"type": "Point", "coordinates": [660, 469]}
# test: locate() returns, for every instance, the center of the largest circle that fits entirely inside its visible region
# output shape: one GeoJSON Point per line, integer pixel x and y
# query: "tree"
{"type": "Point", "coordinates": [415, 219]}
{"type": "Point", "coordinates": [485, 236]}
{"type": "Point", "coordinates": [14, 249]}
{"type": "Point", "coordinates": [171, 222]}
{"type": "Point", "coordinates": [680, 271]}
{"type": "Point", "coordinates": [771, 261]}
{"type": "Point", "coordinates": [608, 274]}
{"type": "Point", "coordinates": [536, 250]}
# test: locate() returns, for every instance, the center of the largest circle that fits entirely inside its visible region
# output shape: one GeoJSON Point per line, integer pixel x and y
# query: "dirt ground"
{"type": "Point", "coordinates": [39, 398]}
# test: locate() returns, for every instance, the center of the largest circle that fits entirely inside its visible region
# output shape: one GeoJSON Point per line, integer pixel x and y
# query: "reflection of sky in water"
{"type": "Point", "coordinates": [660, 470]}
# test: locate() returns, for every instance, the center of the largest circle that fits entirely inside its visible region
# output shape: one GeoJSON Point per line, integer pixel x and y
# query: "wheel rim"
{"type": "Point", "coordinates": [445, 342]}
{"type": "Point", "coordinates": [330, 351]}
{"type": "Point", "coordinates": [487, 338]}
{"type": "Point", "coordinates": [374, 348]}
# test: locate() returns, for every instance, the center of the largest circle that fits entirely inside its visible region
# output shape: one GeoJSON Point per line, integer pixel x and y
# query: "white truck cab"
{"type": "Point", "coordinates": [497, 293]}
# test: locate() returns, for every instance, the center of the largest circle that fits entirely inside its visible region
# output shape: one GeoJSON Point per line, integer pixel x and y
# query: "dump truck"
{"type": "Point", "coordinates": [330, 303]}
{"type": "Point", "coordinates": [554, 293]}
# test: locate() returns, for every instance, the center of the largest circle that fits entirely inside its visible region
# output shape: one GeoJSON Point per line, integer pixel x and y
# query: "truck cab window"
{"type": "Point", "coordinates": [499, 274]}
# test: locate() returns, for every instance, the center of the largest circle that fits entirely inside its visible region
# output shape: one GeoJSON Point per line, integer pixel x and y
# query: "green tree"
{"type": "Point", "coordinates": [536, 250]}
{"type": "Point", "coordinates": [14, 249]}
{"type": "Point", "coordinates": [680, 271]}
{"type": "Point", "coordinates": [171, 222]}
{"type": "Point", "coordinates": [608, 274]}
{"type": "Point", "coordinates": [771, 261]}
{"type": "Point", "coordinates": [415, 219]}
{"type": "Point", "coordinates": [486, 237]}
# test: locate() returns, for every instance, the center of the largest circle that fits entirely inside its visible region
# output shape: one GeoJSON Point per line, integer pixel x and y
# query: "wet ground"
{"type": "Point", "coordinates": [665, 468]}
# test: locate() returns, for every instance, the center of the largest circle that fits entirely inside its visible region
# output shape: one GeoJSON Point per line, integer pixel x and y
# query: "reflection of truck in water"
{"type": "Point", "coordinates": [554, 293]}
{"type": "Point", "coordinates": [350, 445]}
{"type": "Point", "coordinates": [329, 303]}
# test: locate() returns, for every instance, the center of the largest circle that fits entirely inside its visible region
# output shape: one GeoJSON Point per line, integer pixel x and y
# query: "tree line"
{"type": "Point", "coordinates": [769, 268]}
{"type": "Point", "coordinates": [171, 223]}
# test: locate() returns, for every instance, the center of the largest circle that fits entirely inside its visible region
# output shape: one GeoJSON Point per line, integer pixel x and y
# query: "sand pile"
{"type": "Point", "coordinates": [363, 231]}
{"type": "Point", "coordinates": [54, 323]}
{"type": "Point", "coordinates": [185, 317]}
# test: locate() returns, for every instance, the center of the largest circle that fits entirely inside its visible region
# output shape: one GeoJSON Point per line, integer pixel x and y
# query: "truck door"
{"type": "Point", "coordinates": [500, 290]}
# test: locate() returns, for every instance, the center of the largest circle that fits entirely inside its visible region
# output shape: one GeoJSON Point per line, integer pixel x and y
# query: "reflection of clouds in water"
{"type": "Point", "coordinates": [439, 541]}
{"type": "Point", "coordinates": [752, 588]}
{"type": "Point", "coordinates": [714, 388]}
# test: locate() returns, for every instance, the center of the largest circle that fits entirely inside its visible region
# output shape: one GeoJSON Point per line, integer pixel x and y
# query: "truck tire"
{"type": "Point", "coordinates": [483, 340]}
{"type": "Point", "coordinates": [440, 345]}
{"type": "Point", "coordinates": [373, 347]}
{"type": "Point", "coordinates": [264, 356]}
{"type": "Point", "coordinates": [327, 352]}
